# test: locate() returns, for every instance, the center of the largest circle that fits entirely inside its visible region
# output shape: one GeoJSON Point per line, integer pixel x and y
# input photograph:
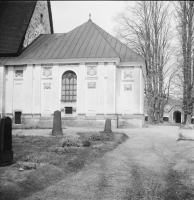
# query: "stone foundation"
{"type": "Point", "coordinates": [117, 121]}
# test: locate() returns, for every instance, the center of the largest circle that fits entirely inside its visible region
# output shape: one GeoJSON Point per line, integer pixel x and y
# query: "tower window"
{"type": "Point", "coordinates": [41, 18]}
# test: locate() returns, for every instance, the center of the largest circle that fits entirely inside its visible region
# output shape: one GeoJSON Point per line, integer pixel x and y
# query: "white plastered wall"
{"type": "Point", "coordinates": [9, 90]}
{"type": "Point", "coordinates": [125, 99]}
{"type": "Point", "coordinates": [142, 80]}
{"type": "Point", "coordinates": [137, 90]}
{"type": "Point", "coordinates": [100, 99]}
{"type": "Point", "coordinates": [81, 89]}
{"type": "Point", "coordinates": [28, 89]}
{"type": "Point", "coordinates": [110, 85]}
{"type": "Point", "coordinates": [2, 88]}
{"type": "Point", "coordinates": [36, 109]}
{"type": "Point", "coordinates": [110, 98]}
{"type": "Point", "coordinates": [101, 88]}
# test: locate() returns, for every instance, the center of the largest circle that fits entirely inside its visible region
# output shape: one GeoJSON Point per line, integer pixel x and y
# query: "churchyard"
{"type": "Point", "coordinates": [43, 159]}
{"type": "Point", "coordinates": [155, 162]}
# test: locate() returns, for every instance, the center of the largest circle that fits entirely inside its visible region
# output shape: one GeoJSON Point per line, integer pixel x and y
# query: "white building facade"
{"type": "Point", "coordinates": [86, 74]}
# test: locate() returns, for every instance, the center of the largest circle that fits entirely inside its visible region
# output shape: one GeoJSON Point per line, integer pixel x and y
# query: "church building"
{"type": "Point", "coordinates": [86, 73]}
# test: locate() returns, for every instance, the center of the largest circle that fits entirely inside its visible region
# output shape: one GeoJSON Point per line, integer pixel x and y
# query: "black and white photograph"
{"type": "Point", "coordinates": [96, 100]}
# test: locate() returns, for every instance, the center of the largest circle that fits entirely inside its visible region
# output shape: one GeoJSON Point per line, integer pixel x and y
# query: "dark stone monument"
{"type": "Point", "coordinates": [107, 128]}
{"type": "Point", "coordinates": [57, 128]}
{"type": "Point", "coordinates": [6, 153]}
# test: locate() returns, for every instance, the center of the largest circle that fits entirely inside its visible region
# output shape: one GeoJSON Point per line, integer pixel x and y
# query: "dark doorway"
{"type": "Point", "coordinates": [18, 117]}
{"type": "Point", "coordinates": [165, 119]}
{"type": "Point", "coordinates": [68, 110]}
{"type": "Point", "coordinates": [192, 121]}
{"type": "Point", "coordinates": [146, 118]}
{"type": "Point", "coordinates": [177, 116]}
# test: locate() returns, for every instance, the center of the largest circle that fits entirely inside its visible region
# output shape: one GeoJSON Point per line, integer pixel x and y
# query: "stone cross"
{"type": "Point", "coordinates": [107, 128]}
{"type": "Point", "coordinates": [57, 128]}
{"type": "Point", "coordinates": [6, 153]}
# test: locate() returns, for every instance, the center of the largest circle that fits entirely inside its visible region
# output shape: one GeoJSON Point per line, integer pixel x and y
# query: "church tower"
{"type": "Point", "coordinates": [40, 23]}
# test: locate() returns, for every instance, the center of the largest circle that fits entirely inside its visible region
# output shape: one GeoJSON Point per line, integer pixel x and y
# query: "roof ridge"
{"type": "Point", "coordinates": [45, 45]}
{"type": "Point", "coordinates": [76, 42]}
{"type": "Point", "coordinates": [68, 37]}
{"type": "Point", "coordinates": [31, 44]}
{"type": "Point", "coordinates": [79, 27]}
{"type": "Point", "coordinates": [88, 41]}
{"type": "Point", "coordinates": [105, 38]}
{"type": "Point", "coordinates": [117, 40]}
{"type": "Point", "coordinates": [133, 51]}
{"type": "Point", "coordinates": [83, 41]}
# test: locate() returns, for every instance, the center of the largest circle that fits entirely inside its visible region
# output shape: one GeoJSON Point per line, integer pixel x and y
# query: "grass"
{"type": "Point", "coordinates": [171, 185]}
{"type": "Point", "coordinates": [56, 159]}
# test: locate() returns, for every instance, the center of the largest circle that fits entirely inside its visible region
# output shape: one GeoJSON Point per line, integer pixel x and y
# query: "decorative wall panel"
{"type": "Point", "coordinates": [91, 70]}
{"type": "Point", "coordinates": [47, 96]}
{"type": "Point", "coordinates": [91, 85]}
{"type": "Point", "coordinates": [128, 87]}
{"type": "Point", "coordinates": [128, 74]}
{"type": "Point", "coordinates": [47, 86]}
{"type": "Point", "coordinates": [47, 71]}
{"type": "Point", "coordinates": [19, 73]}
{"type": "Point", "coordinates": [110, 89]}
{"type": "Point", "coordinates": [91, 97]}
{"type": "Point", "coordinates": [18, 96]}
{"type": "Point", "coordinates": [127, 98]}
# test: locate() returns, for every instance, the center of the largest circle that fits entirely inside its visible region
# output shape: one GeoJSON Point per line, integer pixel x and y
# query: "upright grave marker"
{"type": "Point", "coordinates": [57, 128]}
{"type": "Point", "coordinates": [107, 128]}
{"type": "Point", "coordinates": [6, 153]}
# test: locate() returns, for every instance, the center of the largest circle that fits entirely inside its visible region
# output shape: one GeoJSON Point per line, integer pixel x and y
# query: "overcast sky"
{"type": "Point", "coordinates": [67, 15]}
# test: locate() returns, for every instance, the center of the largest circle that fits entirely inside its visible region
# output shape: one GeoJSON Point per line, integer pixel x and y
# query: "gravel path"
{"type": "Point", "coordinates": [140, 168]}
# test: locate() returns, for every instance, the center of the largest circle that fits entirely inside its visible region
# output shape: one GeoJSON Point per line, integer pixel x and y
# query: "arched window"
{"type": "Point", "coordinates": [69, 87]}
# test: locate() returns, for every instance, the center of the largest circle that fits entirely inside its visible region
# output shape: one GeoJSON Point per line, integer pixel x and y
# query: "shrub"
{"type": "Point", "coordinates": [107, 136]}
{"type": "Point", "coordinates": [71, 141]}
{"type": "Point", "coordinates": [86, 143]}
{"type": "Point", "coordinates": [95, 138]}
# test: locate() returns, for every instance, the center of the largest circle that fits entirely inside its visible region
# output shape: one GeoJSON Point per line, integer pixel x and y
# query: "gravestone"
{"type": "Point", "coordinates": [6, 153]}
{"type": "Point", "coordinates": [107, 128]}
{"type": "Point", "coordinates": [57, 128]}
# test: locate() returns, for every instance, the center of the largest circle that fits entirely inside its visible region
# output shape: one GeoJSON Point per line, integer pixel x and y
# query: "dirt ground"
{"type": "Point", "coordinates": [151, 165]}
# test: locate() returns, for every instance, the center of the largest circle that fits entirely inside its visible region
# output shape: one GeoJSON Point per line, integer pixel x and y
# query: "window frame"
{"type": "Point", "coordinates": [68, 88]}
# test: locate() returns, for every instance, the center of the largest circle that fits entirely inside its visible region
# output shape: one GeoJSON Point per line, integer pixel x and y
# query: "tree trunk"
{"type": "Point", "coordinates": [188, 120]}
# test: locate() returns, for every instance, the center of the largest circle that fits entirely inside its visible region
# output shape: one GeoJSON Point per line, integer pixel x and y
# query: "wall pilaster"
{"type": "Point", "coordinates": [55, 88]}
{"type": "Point", "coordinates": [81, 89]}
{"type": "Point", "coordinates": [28, 89]}
{"type": "Point", "coordinates": [2, 89]}
{"type": "Point", "coordinates": [9, 90]}
{"type": "Point", "coordinates": [110, 88]}
{"type": "Point", "coordinates": [37, 90]}
{"type": "Point", "coordinates": [100, 109]}
{"type": "Point", "coordinates": [137, 91]}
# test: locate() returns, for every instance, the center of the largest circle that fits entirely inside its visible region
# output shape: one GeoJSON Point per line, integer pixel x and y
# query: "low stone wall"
{"type": "Point", "coordinates": [120, 121]}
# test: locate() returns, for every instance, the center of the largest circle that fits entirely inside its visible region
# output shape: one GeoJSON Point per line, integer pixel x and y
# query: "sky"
{"type": "Point", "coordinates": [67, 15]}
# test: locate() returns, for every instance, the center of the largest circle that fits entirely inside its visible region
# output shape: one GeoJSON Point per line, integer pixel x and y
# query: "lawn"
{"type": "Point", "coordinates": [41, 161]}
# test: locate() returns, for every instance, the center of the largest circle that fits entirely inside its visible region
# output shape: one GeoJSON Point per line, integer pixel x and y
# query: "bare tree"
{"type": "Point", "coordinates": [145, 27]}
{"type": "Point", "coordinates": [185, 28]}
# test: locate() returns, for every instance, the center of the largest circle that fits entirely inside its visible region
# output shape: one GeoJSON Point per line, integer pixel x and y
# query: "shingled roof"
{"type": "Point", "coordinates": [85, 41]}
{"type": "Point", "coordinates": [15, 17]}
